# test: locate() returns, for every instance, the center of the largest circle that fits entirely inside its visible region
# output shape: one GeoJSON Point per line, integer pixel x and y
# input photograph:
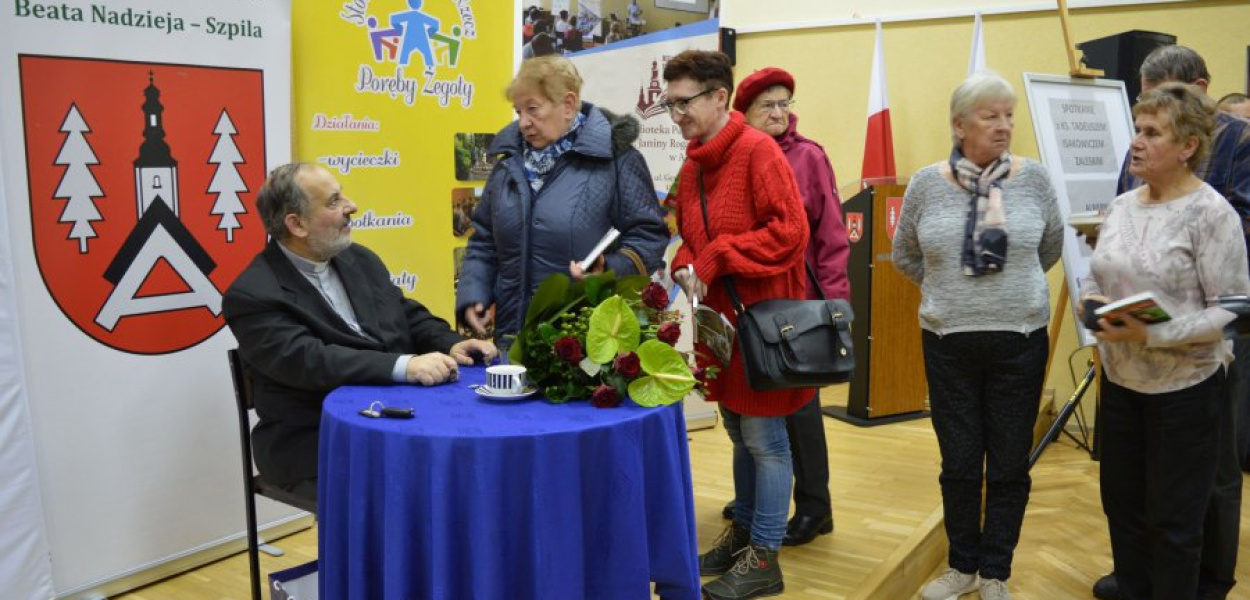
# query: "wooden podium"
{"type": "Point", "coordinates": [889, 383]}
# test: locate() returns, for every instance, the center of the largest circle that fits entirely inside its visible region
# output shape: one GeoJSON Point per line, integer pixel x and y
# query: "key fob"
{"type": "Point", "coordinates": [396, 412]}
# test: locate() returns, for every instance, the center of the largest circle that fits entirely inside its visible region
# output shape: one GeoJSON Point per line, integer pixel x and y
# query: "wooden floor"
{"type": "Point", "coordinates": [884, 485]}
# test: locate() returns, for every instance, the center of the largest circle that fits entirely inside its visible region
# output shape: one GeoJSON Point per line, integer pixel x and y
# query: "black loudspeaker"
{"type": "Point", "coordinates": [1122, 54]}
{"type": "Point", "coordinates": [729, 44]}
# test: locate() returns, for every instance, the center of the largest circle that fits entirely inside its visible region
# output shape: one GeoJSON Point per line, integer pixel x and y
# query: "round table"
{"type": "Point", "coordinates": [484, 500]}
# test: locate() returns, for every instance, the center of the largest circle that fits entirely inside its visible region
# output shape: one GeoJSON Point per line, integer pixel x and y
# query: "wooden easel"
{"type": "Point", "coordinates": [1076, 68]}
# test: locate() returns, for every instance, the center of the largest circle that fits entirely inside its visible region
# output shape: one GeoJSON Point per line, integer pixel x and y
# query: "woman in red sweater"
{"type": "Point", "coordinates": [758, 232]}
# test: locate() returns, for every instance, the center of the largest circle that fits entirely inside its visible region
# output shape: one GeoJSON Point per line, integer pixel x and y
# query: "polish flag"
{"type": "Point", "coordinates": [879, 147]}
{"type": "Point", "coordinates": [976, 61]}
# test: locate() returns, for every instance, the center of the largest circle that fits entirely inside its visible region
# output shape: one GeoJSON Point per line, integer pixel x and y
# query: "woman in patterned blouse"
{"type": "Point", "coordinates": [1177, 238]}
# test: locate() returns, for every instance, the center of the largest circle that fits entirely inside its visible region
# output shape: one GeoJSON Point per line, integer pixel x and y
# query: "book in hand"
{"type": "Point", "coordinates": [1144, 307]}
{"type": "Point", "coordinates": [603, 244]}
{"type": "Point", "coordinates": [713, 334]}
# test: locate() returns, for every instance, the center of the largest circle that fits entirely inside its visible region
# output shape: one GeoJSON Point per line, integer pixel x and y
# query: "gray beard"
{"type": "Point", "coordinates": [324, 251]}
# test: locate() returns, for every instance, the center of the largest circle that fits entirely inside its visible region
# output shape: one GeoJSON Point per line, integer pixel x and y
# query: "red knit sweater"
{"type": "Point", "coordinates": [760, 230]}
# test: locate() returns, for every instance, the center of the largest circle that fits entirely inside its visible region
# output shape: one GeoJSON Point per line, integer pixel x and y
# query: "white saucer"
{"type": "Point", "coordinates": [490, 394]}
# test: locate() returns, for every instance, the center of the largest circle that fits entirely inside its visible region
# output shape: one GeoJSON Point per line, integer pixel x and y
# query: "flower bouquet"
{"type": "Point", "coordinates": [603, 338]}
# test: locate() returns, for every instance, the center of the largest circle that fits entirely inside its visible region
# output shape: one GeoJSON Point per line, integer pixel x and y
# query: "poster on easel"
{"type": "Point", "coordinates": [1084, 128]}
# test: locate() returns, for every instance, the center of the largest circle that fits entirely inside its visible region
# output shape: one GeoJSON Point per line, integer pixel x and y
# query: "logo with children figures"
{"type": "Point", "coordinates": [412, 50]}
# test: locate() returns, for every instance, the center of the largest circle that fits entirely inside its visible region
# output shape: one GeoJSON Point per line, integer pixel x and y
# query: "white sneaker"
{"type": "Point", "coordinates": [994, 589]}
{"type": "Point", "coordinates": [950, 586]}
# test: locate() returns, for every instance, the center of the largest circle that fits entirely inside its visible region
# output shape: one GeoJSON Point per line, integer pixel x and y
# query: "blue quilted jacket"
{"type": "Point", "coordinates": [520, 237]}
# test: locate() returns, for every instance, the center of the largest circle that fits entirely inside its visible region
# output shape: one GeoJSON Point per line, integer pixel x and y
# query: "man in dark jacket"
{"type": "Point", "coordinates": [314, 311]}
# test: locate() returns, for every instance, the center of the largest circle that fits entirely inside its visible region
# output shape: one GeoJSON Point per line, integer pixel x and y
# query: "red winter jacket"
{"type": "Point", "coordinates": [760, 231]}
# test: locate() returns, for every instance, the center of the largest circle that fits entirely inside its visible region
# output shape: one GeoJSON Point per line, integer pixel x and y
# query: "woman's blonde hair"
{"type": "Point", "coordinates": [1190, 113]}
{"type": "Point", "coordinates": [551, 76]}
{"type": "Point", "coordinates": [977, 90]}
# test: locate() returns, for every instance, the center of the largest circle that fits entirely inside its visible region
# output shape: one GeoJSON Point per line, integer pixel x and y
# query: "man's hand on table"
{"type": "Point", "coordinates": [432, 368]}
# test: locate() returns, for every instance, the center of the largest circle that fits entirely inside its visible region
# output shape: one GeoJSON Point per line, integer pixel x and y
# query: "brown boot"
{"type": "Point", "coordinates": [756, 574]}
{"type": "Point", "coordinates": [721, 557]}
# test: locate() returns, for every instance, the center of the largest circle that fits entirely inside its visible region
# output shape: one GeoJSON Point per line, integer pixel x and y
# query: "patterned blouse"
{"type": "Point", "coordinates": [1187, 251]}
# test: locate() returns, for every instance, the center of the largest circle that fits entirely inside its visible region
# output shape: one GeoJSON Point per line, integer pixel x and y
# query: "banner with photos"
{"type": "Point", "coordinates": [626, 77]}
{"type": "Point", "coordinates": [401, 103]}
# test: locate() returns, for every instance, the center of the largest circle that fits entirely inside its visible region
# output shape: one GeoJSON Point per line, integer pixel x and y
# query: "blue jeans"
{"type": "Point", "coordinates": [762, 475]}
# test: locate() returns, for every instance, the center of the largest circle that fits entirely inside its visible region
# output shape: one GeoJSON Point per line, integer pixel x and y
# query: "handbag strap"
{"type": "Point", "coordinates": [729, 280]}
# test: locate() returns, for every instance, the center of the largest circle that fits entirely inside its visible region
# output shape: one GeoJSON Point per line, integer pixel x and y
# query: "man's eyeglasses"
{"type": "Point", "coordinates": [769, 107]}
{"type": "Point", "coordinates": [681, 105]}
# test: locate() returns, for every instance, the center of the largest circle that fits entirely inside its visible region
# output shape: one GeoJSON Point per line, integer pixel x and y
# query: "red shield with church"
{"type": "Point", "coordinates": [142, 180]}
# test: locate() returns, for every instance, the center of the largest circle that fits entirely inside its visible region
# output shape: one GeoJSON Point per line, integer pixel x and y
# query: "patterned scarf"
{"type": "Point", "coordinates": [985, 245]}
{"type": "Point", "coordinates": [539, 163]}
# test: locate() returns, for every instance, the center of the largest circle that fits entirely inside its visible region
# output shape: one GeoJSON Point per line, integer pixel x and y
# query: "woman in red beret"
{"type": "Point", "coordinates": [752, 232]}
{"type": "Point", "coordinates": [765, 98]}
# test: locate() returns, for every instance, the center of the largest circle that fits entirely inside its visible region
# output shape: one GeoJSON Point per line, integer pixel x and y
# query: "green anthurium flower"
{"type": "Point", "coordinates": [613, 329]}
{"type": "Point", "coordinates": [668, 378]}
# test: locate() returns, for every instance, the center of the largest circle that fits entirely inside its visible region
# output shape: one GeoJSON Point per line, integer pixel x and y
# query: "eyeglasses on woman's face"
{"type": "Point", "coordinates": [681, 105]}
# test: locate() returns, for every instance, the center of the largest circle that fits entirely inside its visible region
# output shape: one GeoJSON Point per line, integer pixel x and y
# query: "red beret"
{"type": "Point", "coordinates": [757, 82]}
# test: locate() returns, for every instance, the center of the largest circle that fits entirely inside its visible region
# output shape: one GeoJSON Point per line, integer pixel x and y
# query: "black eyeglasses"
{"type": "Point", "coordinates": [681, 105]}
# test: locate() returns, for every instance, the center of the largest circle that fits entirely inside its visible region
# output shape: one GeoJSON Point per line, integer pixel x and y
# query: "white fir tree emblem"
{"type": "Point", "coordinates": [227, 183]}
{"type": "Point", "coordinates": [78, 185]}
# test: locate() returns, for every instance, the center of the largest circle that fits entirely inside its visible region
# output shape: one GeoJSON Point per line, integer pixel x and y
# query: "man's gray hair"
{"type": "Point", "coordinates": [978, 89]}
{"type": "Point", "coordinates": [280, 196]}
{"type": "Point", "coordinates": [1174, 63]}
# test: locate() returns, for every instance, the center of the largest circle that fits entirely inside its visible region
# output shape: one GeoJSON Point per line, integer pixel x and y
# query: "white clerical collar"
{"type": "Point", "coordinates": [303, 264]}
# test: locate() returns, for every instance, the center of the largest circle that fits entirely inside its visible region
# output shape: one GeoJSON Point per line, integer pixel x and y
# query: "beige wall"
{"type": "Point", "coordinates": [757, 15]}
{"type": "Point", "coordinates": [925, 60]}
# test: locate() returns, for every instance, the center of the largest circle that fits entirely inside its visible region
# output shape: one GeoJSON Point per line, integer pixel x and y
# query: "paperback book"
{"type": "Point", "coordinates": [1143, 307]}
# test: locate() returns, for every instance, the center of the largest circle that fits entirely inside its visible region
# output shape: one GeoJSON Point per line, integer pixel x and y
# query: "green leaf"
{"type": "Point", "coordinates": [630, 287]}
{"type": "Point", "coordinates": [613, 329]}
{"type": "Point", "coordinates": [548, 332]}
{"type": "Point", "coordinates": [546, 299]}
{"type": "Point", "coordinates": [668, 376]}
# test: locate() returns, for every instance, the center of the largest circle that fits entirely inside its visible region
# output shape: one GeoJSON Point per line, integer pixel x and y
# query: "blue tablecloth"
{"type": "Point", "coordinates": [482, 500]}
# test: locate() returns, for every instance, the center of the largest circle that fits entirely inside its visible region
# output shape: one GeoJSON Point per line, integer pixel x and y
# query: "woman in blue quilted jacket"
{"type": "Point", "coordinates": [567, 174]}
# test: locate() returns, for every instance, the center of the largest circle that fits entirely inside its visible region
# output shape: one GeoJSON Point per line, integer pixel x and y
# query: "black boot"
{"type": "Point", "coordinates": [756, 574]}
{"type": "Point", "coordinates": [1107, 588]}
{"type": "Point", "coordinates": [728, 511]}
{"type": "Point", "coordinates": [721, 557]}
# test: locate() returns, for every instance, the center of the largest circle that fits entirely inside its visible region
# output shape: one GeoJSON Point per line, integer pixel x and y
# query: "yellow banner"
{"type": "Point", "coordinates": [388, 94]}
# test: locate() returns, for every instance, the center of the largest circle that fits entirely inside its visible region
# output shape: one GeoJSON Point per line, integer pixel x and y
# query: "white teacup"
{"type": "Point", "coordinates": [505, 379]}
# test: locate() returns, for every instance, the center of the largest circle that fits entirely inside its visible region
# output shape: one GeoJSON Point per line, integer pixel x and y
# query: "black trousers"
{"type": "Point", "coordinates": [810, 456]}
{"type": "Point", "coordinates": [1158, 473]}
{"type": "Point", "coordinates": [1222, 529]}
{"type": "Point", "coordinates": [984, 391]}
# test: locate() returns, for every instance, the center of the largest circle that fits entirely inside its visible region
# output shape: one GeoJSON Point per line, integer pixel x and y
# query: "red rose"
{"type": "Point", "coordinates": [605, 396]}
{"type": "Point", "coordinates": [655, 296]}
{"type": "Point", "coordinates": [627, 364]}
{"type": "Point", "coordinates": [668, 333]}
{"type": "Point", "coordinates": [570, 350]}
